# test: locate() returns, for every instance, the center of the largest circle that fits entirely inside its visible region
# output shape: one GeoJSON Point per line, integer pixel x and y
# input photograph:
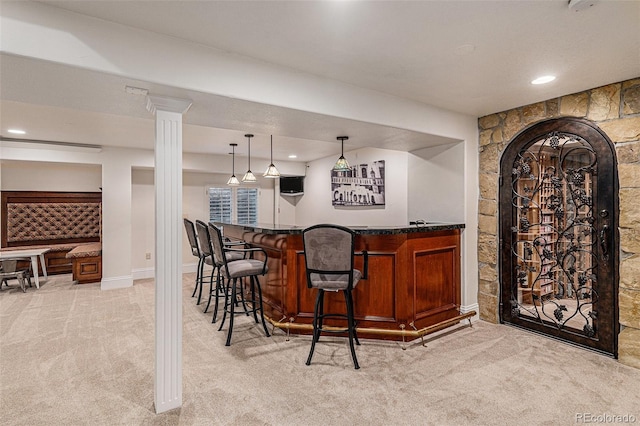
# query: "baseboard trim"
{"type": "Point", "coordinates": [469, 308]}
{"type": "Point", "coordinates": [116, 282]}
{"type": "Point", "coordinates": [144, 273]}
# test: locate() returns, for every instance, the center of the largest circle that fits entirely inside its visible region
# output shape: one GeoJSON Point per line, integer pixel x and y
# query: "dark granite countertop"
{"type": "Point", "coordinates": [265, 228]}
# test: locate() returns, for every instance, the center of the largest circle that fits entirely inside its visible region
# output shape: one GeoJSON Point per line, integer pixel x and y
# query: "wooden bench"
{"type": "Point", "coordinates": [86, 263]}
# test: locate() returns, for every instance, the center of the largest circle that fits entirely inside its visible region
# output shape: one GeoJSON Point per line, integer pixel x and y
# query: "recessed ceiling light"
{"type": "Point", "coordinates": [16, 131]}
{"type": "Point", "coordinates": [293, 156]}
{"type": "Point", "coordinates": [544, 79]}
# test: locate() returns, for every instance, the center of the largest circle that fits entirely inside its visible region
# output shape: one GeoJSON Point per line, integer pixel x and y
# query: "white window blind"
{"type": "Point", "coordinates": [247, 206]}
{"type": "Point", "coordinates": [233, 204]}
{"type": "Point", "coordinates": [220, 205]}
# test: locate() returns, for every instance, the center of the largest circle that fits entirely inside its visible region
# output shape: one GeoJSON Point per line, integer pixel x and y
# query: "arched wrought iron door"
{"type": "Point", "coordinates": [558, 233]}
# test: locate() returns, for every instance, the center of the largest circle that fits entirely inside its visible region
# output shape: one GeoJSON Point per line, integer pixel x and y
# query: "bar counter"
{"type": "Point", "coordinates": [413, 279]}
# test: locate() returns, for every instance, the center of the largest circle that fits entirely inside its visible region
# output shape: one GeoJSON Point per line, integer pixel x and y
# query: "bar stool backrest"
{"type": "Point", "coordinates": [204, 239]}
{"type": "Point", "coordinates": [218, 246]}
{"type": "Point", "coordinates": [191, 235]}
{"type": "Point", "coordinates": [328, 251]}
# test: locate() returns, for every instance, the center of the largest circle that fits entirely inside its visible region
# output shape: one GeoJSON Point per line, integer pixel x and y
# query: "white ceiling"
{"type": "Point", "coordinates": [473, 57]}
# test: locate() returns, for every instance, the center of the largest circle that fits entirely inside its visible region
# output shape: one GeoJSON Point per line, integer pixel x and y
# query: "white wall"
{"type": "Point", "coordinates": [436, 184]}
{"type": "Point", "coordinates": [142, 223]}
{"type": "Point", "coordinates": [315, 206]}
{"type": "Point", "coordinates": [286, 206]}
{"type": "Point", "coordinates": [265, 200]}
{"type": "Point", "coordinates": [116, 217]}
{"type": "Point", "coordinates": [29, 176]}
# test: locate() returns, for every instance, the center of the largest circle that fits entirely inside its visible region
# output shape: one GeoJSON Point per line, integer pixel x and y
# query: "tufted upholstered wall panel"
{"type": "Point", "coordinates": [54, 221]}
{"type": "Point", "coordinates": [32, 218]}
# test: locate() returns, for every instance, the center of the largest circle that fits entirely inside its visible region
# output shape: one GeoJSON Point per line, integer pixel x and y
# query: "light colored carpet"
{"type": "Point", "coordinates": [74, 355]}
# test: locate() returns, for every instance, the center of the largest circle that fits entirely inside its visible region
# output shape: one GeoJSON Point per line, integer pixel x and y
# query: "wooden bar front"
{"type": "Point", "coordinates": [413, 279]}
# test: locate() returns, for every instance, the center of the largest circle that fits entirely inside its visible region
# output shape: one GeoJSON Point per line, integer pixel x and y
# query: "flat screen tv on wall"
{"type": "Point", "coordinates": [291, 185]}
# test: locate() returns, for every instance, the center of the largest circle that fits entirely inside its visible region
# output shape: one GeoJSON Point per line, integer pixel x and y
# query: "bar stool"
{"type": "Point", "coordinates": [195, 250]}
{"type": "Point", "coordinates": [204, 238]}
{"type": "Point", "coordinates": [329, 260]}
{"type": "Point", "coordinates": [234, 272]}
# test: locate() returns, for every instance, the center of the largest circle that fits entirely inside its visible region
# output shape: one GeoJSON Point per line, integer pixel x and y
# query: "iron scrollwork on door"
{"type": "Point", "coordinates": [554, 239]}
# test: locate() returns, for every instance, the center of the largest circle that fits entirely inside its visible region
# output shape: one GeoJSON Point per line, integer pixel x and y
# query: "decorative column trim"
{"type": "Point", "coordinates": [165, 103]}
{"type": "Point", "coordinates": [168, 250]}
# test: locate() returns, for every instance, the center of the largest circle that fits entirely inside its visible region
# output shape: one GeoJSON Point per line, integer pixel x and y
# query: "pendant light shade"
{"type": "Point", "coordinates": [249, 177]}
{"type": "Point", "coordinates": [271, 172]}
{"type": "Point", "coordinates": [233, 180]}
{"type": "Point", "coordinates": [342, 165]}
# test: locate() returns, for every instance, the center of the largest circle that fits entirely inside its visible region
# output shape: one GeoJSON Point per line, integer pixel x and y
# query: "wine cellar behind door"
{"type": "Point", "coordinates": [559, 264]}
{"type": "Point", "coordinates": [541, 279]}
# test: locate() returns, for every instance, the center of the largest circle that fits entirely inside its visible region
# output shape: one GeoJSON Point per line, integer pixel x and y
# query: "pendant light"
{"type": "Point", "coordinates": [249, 177]}
{"type": "Point", "coordinates": [271, 172]}
{"type": "Point", "coordinates": [342, 165]}
{"type": "Point", "coordinates": [233, 180]}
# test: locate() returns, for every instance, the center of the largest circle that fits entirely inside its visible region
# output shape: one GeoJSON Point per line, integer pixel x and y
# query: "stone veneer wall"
{"type": "Point", "coordinates": [615, 108]}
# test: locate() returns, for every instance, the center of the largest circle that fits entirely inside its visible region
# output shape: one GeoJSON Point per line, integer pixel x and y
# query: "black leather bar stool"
{"type": "Point", "coordinates": [329, 260]}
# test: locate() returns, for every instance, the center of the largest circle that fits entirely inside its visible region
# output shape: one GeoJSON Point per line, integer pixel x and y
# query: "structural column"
{"type": "Point", "coordinates": [168, 262]}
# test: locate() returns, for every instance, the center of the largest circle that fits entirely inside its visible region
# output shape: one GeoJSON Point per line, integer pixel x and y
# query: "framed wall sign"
{"type": "Point", "coordinates": [361, 185]}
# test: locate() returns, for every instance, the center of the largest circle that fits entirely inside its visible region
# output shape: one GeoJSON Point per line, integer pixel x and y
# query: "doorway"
{"type": "Point", "coordinates": [558, 215]}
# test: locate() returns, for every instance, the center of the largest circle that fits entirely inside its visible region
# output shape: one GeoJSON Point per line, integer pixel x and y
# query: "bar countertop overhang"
{"type": "Point", "coordinates": [273, 229]}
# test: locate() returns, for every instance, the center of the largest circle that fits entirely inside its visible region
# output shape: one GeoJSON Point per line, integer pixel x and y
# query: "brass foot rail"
{"type": "Point", "coordinates": [403, 332]}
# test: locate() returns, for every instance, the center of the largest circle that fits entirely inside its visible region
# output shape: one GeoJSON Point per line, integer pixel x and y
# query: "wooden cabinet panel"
{"type": "Point", "coordinates": [374, 299]}
{"type": "Point", "coordinates": [87, 269]}
{"type": "Point", "coordinates": [434, 284]}
{"type": "Point", "coordinates": [272, 284]}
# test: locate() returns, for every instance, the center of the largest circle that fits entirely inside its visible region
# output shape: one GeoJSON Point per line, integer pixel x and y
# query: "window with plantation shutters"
{"type": "Point", "coordinates": [233, 205]}
{"type": "Point", "coordinates": [247, 206]}
{"type": "Point", "coordinates": [220, 205]}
